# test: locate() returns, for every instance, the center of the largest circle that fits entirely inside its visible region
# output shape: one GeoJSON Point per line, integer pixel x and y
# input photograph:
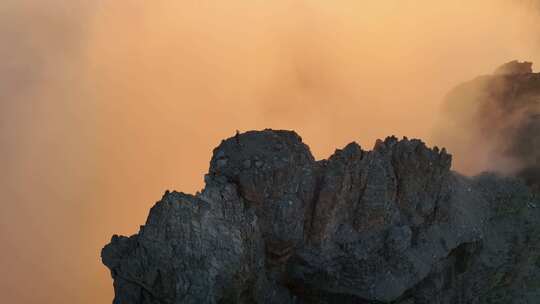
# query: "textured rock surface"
{"type": "Point", "coordinates": [391, 225]}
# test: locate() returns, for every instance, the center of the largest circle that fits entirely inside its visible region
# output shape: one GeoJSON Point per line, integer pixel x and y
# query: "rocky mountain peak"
{"type": "Point", "coordinates": [390, 225]}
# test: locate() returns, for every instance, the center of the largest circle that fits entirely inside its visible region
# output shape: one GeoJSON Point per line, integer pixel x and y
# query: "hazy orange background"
{"type": "Point", "coordinates": [106, 104]}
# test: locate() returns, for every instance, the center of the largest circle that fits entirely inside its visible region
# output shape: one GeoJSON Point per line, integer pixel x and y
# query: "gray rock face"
{"type": "Point", "coordinates": [391, 225]}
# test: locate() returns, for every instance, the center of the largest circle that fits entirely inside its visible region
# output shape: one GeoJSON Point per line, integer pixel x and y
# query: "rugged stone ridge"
{"type": "Point", "coordinates": [391, 225]}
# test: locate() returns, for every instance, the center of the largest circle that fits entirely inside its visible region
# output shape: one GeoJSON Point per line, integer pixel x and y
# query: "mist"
{"type": "Point", "coordinates": [106, 104]}
{"type": "Point", "coordinates": [493, 123]}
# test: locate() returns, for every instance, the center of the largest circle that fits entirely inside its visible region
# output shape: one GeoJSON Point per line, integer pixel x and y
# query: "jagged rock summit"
{"type": "Point", "coordinates": [391, 225]}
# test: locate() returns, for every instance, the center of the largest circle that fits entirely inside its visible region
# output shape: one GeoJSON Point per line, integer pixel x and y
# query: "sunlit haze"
{"type": "Point", "coordinates": [104, 105]}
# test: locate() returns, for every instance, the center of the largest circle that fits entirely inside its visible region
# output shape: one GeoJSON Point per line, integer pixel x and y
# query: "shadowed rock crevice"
{"type": "Point", "coordinates": [391, 225]}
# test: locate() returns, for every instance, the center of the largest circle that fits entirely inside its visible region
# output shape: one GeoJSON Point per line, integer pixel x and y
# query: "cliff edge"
{"type": "Point", "coordinates": [390, 225]}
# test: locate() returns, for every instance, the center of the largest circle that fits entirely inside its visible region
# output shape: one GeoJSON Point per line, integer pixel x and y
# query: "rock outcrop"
{"type": "Point", "coordinates": [494, 120]}
{"type": "Point", "coordinates": [514, 68]}
{"type": "Point", "coordinates": [391, 225]}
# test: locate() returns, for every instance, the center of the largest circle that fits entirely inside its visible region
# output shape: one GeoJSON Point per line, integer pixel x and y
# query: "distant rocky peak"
{"type": "Point", "coordinates": [514, 67]}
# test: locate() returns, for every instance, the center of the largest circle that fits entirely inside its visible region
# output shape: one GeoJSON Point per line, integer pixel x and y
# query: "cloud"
{"type": "Point", "coordinates": [105, 104]}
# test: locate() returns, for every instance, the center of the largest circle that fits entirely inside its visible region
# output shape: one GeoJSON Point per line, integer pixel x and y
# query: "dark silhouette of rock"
{"type": "Point", "coordinates": [497, 118]}
{"type": "Point", "coordinates": [391, 225]}
{"type": "Point", "coordinates": [514, 68]}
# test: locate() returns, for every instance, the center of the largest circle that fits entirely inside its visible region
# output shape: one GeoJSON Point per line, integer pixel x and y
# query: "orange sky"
{"type": "Point", "coordinates": [106, 104]}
